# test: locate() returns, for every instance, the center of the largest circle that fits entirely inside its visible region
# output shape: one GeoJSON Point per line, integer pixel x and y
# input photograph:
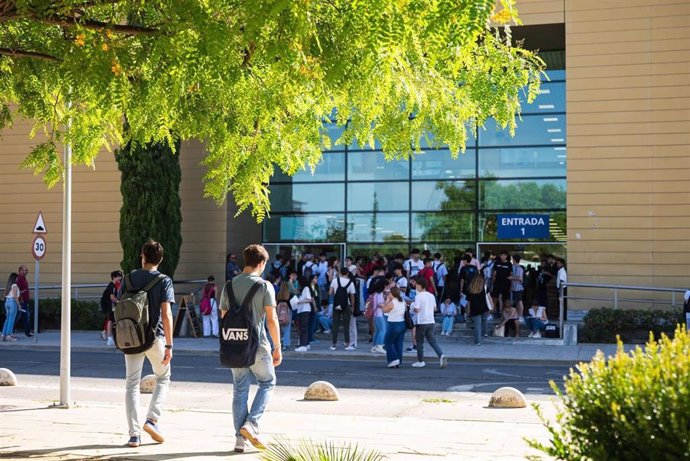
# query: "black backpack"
{"type": "Point", "coordinates": [340, 298]}
{"type": "Point", "coordinates": [239, 339]}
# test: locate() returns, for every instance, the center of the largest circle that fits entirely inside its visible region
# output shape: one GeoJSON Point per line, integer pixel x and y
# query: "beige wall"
{"type": "Point", "coordinates": [628, 102]}
{"type": "Point", "coordinates": [533, 12]}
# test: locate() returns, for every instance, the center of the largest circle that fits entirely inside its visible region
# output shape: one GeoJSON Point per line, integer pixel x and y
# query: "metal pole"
{"type": "Point", "coordinates": [673, 299]}
{"type": "Point", "coordinates": [65, 337]}
{"type": "Point", "coordinates": [561, 308]}
{"type": "Point", "coordinates": [36, 301]}
{"type": "Point", "coordinates": [615, 298]}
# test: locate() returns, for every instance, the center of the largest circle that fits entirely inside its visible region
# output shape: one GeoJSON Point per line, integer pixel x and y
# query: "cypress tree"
{"type": "Point", "coordinates": [150, 190]}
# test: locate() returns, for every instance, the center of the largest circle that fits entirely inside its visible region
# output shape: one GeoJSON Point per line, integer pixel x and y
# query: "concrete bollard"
{"type": "Point", "coordinates": [147, 384]}
{"type": "Point", "coordinates": [7, 378]}
{"type": "Point", "coordinates": [507, 397]}
{"type": "Point", "coordinates": [321, 390]}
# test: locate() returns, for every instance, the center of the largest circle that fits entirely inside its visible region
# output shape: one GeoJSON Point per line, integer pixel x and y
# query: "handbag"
{"type": "Point", "coordinates": [500, 330]}
{"type": "Point", "coordinates": [409, 324]}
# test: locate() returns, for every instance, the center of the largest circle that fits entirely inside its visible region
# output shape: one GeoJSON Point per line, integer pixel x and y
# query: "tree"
{"type": "Point", "coordinates": [150, 189]}
{"type": "Point", "coordinates": [256, 81]}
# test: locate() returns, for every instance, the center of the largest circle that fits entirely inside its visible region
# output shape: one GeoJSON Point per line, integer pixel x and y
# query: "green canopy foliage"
{"type": "Point", "coordinates": [255, 80]}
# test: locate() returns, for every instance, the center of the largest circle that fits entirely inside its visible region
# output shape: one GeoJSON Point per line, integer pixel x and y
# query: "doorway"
{"type": "Point", "coordinates": [293, 252]}
{"type": "Point", "coordinates": [530, 252]}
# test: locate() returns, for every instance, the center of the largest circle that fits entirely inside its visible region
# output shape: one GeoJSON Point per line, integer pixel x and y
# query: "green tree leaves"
{"type": "Point", "coordinates": [256, 80]}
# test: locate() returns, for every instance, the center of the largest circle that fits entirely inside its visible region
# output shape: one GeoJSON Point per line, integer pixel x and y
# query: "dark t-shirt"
{"type": "Point", "coordinates": [477, 303]}
{"type": "Point", "coordinates": [162, 292]}
{"type": "Point", "coordinates": [503, 270]}
{"type": "Point", "coordinates": [467, 273]}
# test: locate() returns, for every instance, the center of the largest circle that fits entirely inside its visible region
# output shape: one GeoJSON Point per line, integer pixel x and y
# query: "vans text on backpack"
{"type": "Point", "coordinates": [239, 340]}
{"type": "Point", "coordinates": [132, 332]}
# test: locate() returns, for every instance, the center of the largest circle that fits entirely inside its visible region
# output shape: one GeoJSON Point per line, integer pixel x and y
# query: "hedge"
{"type": "Point", "coordinates": [633, 326]}
{"type": "Point", "coordinates": [86, 315]}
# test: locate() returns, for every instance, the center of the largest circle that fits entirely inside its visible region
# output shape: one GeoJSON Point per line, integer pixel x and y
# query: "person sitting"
{"type": "Point", "coordinates": [537, 320]}
{"type": "Point", "coordinates": [510, 319]}
{"type": "Point", "coordinates": [449, 311]}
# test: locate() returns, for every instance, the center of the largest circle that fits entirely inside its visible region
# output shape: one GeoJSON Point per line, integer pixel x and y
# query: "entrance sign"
{"type": "Point", "coordinates": [522, 226]}
{"type": "Point", "coordinates": [38, 247]}
{"type": "Point", "coordinates": [40, 226]}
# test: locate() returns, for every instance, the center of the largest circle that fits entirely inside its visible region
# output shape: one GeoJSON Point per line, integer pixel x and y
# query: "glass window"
{"type": "Point", "coordinates": [334, 132]}
{"type": "Point", "coordinates": [371, 165]}
{"type": "Point", "coordinates": [330, 168]}
{"type": "Point", "coordinates": [379, 196]}
{"type": "Point", "coordinates": [442, 226]}
{"type": "Point", "coordinates": [438, 164]}
{"type": "Point", "coordinates": [528, 194]}
{"type": "Point", "coordinates": [510, 162]}
{"type": "Point", "coordinates": [428, 139]}
{"type": "Point", "coordinates": [443, 195]}
{"type": "Point", "coordinates": [488, 231]}
{"type": "Point", "coordinates": [377, 227]}
{"type": "Point", "coordinates": [367, 250]}
{"type": "Point", "coordinates": [547, 129]}
{"type": "Point", "coordinates": [307, 197]}
{"type": "Point", "coordinates": [306, 228]}
{"type": "Point", "coordinates": [551, 98]}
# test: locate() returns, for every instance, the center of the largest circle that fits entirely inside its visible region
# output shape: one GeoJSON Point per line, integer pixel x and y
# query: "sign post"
{"type": "Point", "coordinates": [38, 249]}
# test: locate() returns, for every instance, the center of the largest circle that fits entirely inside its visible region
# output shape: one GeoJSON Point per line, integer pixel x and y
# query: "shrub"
{"type": "Point", "coordinates": [309, 450]}
{"type": "Point", "coordinates": [633, 326]}
{"type": "Point", "coordinates": [629, 406]}
{"type": "Point", "coordinates": [86, 315]}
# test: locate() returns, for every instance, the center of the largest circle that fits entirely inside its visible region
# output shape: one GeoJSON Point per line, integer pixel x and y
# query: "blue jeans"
{"type": "Point", "coordinates": [395, 335]}
{"type": "Point", "coordinates": [11, 309]}
{"type": "Point", "coordinates": [323, 321]}
{"type": "Point", "coordinates": [380, 335]}
{"type": "Point", "coordinates": [535, 324]}
{"type": "Point", "coordinates": [133, 366]}
{"type": "Point", "coordinates": [480, 326]}
{"type": "Point", "coordinates": [286, 331]}
{"type": "Point", "coordinates": [448, 322]}
{"type": "Point", "coordinates": [426, 331]}
{"type": "Point", "coordinates": [242, 377]}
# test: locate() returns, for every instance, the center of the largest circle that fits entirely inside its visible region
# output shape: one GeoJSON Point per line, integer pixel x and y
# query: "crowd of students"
{"type": "Point", "coordinates": [319, 294]}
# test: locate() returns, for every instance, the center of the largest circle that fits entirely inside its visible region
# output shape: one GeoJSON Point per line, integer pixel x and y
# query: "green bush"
{"type": "Point", "coordinates": [633, 326]}
{"type": "Point", "coordinates": [309, 450]}
{"type": "Point", "coordinates": [86, 315]}
{"type": "Point", "coordinates": [630, 406]}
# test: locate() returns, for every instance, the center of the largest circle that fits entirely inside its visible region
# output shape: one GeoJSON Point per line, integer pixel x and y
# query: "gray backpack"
{"type": "Point", "coordinates": [132, 332]}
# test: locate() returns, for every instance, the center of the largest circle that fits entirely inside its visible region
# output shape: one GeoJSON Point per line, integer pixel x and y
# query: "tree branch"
{"type": "Point", "coordinates": [96, 25]}
{"type": "Point", "coordinates": [28, 54]}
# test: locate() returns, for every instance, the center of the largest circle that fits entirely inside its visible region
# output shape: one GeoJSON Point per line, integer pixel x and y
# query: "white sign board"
{"type": "Point", "coordinates": [38, 247]}
{"type": "Point", "coordinates": [40, 226]}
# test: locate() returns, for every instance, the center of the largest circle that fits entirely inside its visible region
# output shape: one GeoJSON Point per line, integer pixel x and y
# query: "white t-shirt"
{"type": "Point", "coordinates": [397, 314]}
{"type": "Point", "coordinates": [413, 267]}
{"type": "Point", "coordinates": [561, 277]}
{"type": "Point", "coordinates": [343, 282]}
{"type": "Point", "coordinates": [441, 271]}
{"type": "Point", "coordinates": [401, 282]}
{"type": "Point", "coordinates": [304, 306]}
{"type": "Point", "coordinates": [449, 309]}
{"type": "Point", "coordinates": [14, 292]}
{"type": "Point", "coordinates": [538, 313]}
{"type": "Point", "coordinates": [352, 269]}
{"type": "Point", "coordinates": [426, 303]}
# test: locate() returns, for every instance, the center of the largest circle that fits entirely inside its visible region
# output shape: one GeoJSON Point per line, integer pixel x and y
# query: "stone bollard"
{"type": "Point", "coordinates": [147, 384]}
{"type": "Point", "coordinates": [321, 390]}
{"type": "Point", "coordinates": [7, 378]}
{"type": "Point", "coordinates": [507, 397]}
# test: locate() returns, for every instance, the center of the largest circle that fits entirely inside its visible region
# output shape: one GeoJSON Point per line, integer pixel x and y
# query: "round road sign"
{"type": "Point", "coordinates": [38, 248]}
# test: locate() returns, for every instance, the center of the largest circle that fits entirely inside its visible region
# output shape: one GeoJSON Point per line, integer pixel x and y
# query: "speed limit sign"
{"type": "Point", "coordinates": [38, 248]}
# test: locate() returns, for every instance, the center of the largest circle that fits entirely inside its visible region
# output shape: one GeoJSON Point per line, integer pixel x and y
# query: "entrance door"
{"type": "Point", "coordinates": [293, 252]}
{"type": "Point", "coordinates": [530, 252]}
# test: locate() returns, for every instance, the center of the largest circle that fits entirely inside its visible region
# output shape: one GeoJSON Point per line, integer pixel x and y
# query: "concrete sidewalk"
{"type": "Point", "coordinates": [528, 350]}
{"type": "Point", "coordinates": [197, 423]}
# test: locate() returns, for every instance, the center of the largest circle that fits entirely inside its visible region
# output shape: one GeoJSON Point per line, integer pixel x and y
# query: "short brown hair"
{"type": "Point", "coordinates": [255, 255]}
{"type": "Point", "coordinates": [152, 252]}
{"type": "Point", "coordinates": [421, 282]}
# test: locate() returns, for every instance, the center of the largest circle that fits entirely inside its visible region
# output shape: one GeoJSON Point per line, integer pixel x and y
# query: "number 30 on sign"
{"type": "Point", "coordinates": [38, 248]}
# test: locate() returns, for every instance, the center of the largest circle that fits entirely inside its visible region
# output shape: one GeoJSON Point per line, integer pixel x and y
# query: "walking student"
{"type": "Point", "coordinates": [394, 309]}
{"type": "Point", "coordinates": [424, 306]}
{"type": "Point", "coordinates": [108, 301]}
{"type": "Point", "coordinates": [160, 295]}
{"type": "Point", "coordinates": [263, 311]}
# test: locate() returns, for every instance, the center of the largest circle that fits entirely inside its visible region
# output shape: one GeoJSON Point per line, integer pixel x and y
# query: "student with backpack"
{"type": "Point", "coordinates": [108, 301]}
{"type": "Point", "coordinates": [143, 329]}
{"type": "Point", "coordinates": [247, 303]}
{"type": "Point", "coordinates": [343, 292]}
{"type": "Point", "coordinates": [208, 308]}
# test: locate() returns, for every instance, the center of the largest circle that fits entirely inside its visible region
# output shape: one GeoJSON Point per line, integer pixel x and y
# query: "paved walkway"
{"type": "Point", "coordinates": [523, 349]}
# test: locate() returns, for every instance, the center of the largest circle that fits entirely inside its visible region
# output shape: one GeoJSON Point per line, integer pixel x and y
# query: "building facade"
{"type": "Point", "coordinates": [604, 153]}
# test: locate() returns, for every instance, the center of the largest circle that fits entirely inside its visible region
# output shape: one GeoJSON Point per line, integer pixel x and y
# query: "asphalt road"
{"type": "Point", "coordinates": [350, 373]}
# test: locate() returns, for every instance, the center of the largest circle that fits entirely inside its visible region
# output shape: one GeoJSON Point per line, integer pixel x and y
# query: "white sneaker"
{"type": "Point", "coordinates": [251, 433]}
{"type": "Point", "coordinates": [394, 363]}
{"type": "Point", "coordinates": [443, 361]}
{"type": "Point", "coordinates": [308, 347]}
{"type": "Point", "coordinates": [301, 349]}
{"type": "Point", "coordinates": [418, 365]}
{"type": "Point", "coordinates": [327, 332]}
{"type": "Point", "coordinates": [240, 444]}
{"type": "Point", "coordinates": [350, 348]}
{"type": "Point", "coordinates": [537, 334]}
{"type": "Point", "coordinates": [110, 342]}
{"type": "Point", "coordinates": [373, 349]}
{"type": "Point", "coordinates": [531, 335]}
{"type": "Point", "coordinates": [332, 348]}
{"type": "Point", "coordinates": [381, 349]}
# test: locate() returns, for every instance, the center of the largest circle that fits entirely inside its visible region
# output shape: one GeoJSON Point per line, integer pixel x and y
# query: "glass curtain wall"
{"type": "Point", "coordinates": [430, 201]}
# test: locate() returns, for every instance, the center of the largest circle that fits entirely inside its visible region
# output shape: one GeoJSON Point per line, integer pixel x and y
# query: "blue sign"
{"type": "Point", "coordinates": [523, 226]}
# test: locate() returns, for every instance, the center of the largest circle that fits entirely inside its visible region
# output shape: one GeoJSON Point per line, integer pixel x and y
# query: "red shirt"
{"type": "Point", "coordinates": [428, 274]}
{"type": "Point", "coordinates": [23, 286]}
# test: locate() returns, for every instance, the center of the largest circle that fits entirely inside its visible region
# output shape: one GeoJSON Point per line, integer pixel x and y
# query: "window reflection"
{"type": "Point", "coordinates": [443, 195]}
{"type": "Point", "coordinates": [380, 196]}
{"type": "Point", "coordinates": [308, 197]}
{"type": "Point", "coordinates": [377, 227]}
{"type": "Point", "coordinates": [306, 228]}
{"type": "Point", "coordinates": [330, 168]}
{"type": "Point", "coordinates": [442, 226]}
{"type": "Point", "coordinates": [547, 129]}
{"type": "Point", "coordinates": [438, 164]}
{"type": "Point", "coordinates": [551, 98]}
{"type": "Point", "coordinates": [522, 161]}
{"type": "Point", "coordinates": [522, 194]}
{"type": "Point", "coordinates": [370, 165]}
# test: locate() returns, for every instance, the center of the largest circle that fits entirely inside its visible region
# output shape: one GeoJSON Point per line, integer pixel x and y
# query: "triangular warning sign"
{"type": "Point", "coordinates": [40, 226]}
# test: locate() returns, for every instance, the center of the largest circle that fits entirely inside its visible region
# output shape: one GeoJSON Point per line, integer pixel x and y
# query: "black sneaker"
{"type": "Point", "coordinates": [134, 441]}
{"type": "Point", "coordinates": [411, 349]}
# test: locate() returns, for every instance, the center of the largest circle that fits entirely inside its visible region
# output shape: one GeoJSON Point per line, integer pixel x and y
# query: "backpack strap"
{"type": "Point", "coordinates": [128, 282]}
{"type": "Point", "coordinates": [252, 292]}
{"type": "Point", "coordinates": [153, 282]}
{"type": "Point", "coordinates": [232, 302]}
